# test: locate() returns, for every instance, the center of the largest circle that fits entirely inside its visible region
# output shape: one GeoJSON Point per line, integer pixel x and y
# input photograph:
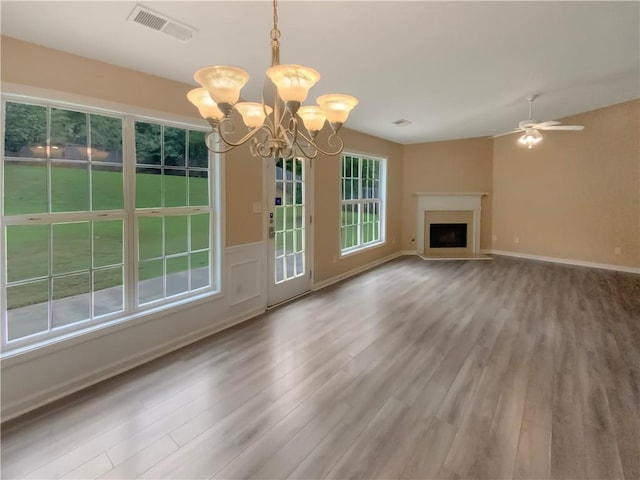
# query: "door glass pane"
{"type": "Point", "coordinates": [289, 220]}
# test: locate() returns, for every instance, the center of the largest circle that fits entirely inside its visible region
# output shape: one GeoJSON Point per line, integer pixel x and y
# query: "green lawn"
{"type": "Point", "coordinates": [65, 248]}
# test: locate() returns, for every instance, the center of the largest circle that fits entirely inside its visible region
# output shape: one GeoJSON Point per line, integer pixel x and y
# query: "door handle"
{"type": "Point", "coordinates": [272, 232]}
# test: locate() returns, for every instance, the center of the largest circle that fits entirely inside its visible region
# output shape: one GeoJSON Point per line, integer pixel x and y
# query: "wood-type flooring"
{"type": "Point", "coordinates": [493, 370]}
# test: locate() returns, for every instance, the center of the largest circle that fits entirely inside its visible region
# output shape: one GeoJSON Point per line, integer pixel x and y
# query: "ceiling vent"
{"type": "Point", "coordinates": [161, 23]}
{"type": "Point", "coordinates": [403, 122]}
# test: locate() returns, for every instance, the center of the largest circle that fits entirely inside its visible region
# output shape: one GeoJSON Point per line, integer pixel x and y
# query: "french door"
{"type": "Point", "coordinates": [289, 222]}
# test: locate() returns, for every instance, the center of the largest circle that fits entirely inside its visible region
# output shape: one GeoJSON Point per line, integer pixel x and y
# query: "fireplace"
{"type": "Point", "coordinates": [448, 235]}
{"type": "Point", "coordinates": [448, 225]}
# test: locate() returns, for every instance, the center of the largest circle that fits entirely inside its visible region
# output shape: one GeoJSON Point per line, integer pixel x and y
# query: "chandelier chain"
{"type": "Point", "coordinates": [275, 33]}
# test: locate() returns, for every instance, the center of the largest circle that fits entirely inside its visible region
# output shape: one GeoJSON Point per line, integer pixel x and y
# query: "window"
{"type": "Point", "coordinates": [91, 235]}
{"type": "Point", "coordinates": [362, 207]}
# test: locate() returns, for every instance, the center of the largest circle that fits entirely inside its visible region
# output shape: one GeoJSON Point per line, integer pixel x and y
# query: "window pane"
{"type": "Point", "coordinates": [68, 135]}
{"type": "Point", "coordinates": [27, 252]}
{"type": "Point", "coordinates": [27, 309]}
{"type": "Point", "coordinates": [106, 139]}
{"type": "Point", "coordinates": [175, 234]}
{"type": "Point", "coordinates": [198, 152]}
{"type": "Point", "coordinates": [106, 187]}
{"type": "Point", "coordinates": [108, 291]}
{"type": "Point", "coordinates": [177, 275]}
{"type": "Point", "coordinates": [69, 187]}
{"type": "Point", "coordinates": [199, 232]}
{"type": "Point", "coordinates": [148, 188]}
{"type": "Point", "coordinates": [150, 237]}
{"type": "Point", "coordinates": [174, 146]}
{"type": "Point", "coordinates": [71, 299]}
{"type": "Point", "coordinates": [107, 243]}
{"type": "Point", "coordinates": [175, 188]}
{"type": "Point", "coordinates": [150, 281]}
{"type": "Point", "coordinates": [25, 188]}
{"type": "Point", "coordinates": [71, 247]}
{"type": "Point", "coordinates": [25, 130]}
{"type": "Point", "coordinates": [198, 187]}
{"type": "Point", "coordinates": [199, 270]}
{"type": "Point", "coordinates": [148, 143]}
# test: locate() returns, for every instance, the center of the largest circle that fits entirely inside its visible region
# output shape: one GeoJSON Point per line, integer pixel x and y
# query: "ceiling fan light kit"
{"type": "Point", "coordinates": [274, 127]}
{"type": "Point", "coordinates": [531, 128]}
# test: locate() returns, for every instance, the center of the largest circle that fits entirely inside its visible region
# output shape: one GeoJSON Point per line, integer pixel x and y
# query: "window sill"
{"type": "Point", "coordinates": [15, 356]}
{"type": "Point", "coordinates": [363, 248]}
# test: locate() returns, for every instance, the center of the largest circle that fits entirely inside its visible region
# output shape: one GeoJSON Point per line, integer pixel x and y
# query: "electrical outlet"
{"type": "Point", "coordinates": [617, 251]}
{"type": "Point", "coordinates": [516, 239]}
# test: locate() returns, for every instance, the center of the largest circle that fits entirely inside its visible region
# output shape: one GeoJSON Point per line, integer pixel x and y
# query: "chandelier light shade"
{"type": "Point", "coordinates": [530, 138]}
{"type": "Point", "coordinates": [275, 128]}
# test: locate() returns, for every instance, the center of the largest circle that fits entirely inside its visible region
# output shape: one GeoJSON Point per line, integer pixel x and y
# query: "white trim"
{"type": "Point", "coordinates": [42, 398]}
{"type": "Point", "coordinates": [567, 261]}
{"type": "Point", "coordinates": [443, 201]}
{"type": "Point", "coordinates": [382, 199]}
{"type": "Point", "coordinates": [355, 271]}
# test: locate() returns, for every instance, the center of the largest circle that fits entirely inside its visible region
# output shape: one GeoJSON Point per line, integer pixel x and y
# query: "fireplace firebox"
{"type": "Point", "coordinates": [448, 235]}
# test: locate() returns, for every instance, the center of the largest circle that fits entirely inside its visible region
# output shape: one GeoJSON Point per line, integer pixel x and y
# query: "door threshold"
{"type": "Point", "coordinates": [283, 302]}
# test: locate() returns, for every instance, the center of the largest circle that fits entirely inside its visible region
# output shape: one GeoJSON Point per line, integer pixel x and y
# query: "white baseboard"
{"type": "Point", "coordinates": [355, 271]}
{"type": "Point", "coordinates": [45, 397]}
{"type": "Point", "coordinates": [566, 261]}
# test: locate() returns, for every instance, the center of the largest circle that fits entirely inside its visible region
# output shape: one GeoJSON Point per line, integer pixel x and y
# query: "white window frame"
{"type": "Point", "coordinates": [382, 199]}
{"type": "Point", "coordinates": [128, 214]}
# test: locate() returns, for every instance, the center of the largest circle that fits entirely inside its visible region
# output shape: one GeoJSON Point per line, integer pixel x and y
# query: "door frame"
{"type": "Point", "coordinates": [267, 203]}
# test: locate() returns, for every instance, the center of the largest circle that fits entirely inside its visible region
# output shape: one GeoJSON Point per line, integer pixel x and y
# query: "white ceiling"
{"type": "Point", "coordinates": [455, 69]}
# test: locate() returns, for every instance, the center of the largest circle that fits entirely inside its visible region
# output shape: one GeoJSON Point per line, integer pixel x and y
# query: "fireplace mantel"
{"type": "Point", "coordinates": [439, 201]}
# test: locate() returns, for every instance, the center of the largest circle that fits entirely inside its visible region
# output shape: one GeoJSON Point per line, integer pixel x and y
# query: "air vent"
{"type": "Point", "coordinates": [403, 122]}
{"type": "Point", "coordinates": [161, 23]}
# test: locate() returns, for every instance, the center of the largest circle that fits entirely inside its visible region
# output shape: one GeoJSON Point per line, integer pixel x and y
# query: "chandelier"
{"type": "Point", "coordinates": [273, 127]}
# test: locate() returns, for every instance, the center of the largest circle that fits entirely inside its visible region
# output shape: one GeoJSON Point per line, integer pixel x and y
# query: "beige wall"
{"type": "Point", "coordinates": [328, 262]}
{"type": "Point", "coordinates": [575, 195]}
{"type": "Point", "coordinates": [452, 166]}
{"type": "Point", "coordinates": [36, 66]}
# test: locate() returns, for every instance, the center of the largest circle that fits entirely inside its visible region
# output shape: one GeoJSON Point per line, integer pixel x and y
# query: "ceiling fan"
{"type": "Point", "coordinates": [531, 128]}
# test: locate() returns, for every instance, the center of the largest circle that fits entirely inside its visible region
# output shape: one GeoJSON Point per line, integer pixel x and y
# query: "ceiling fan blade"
{"type": "Point", "coordinates": [547, 124]}
{"type": "Point", "coordinates": [564, 127]}
{"type": "Point", "coordinates": [508, 133]}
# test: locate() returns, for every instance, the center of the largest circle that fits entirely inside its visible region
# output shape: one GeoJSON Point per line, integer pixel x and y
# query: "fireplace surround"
{"type": "Point", "coordinates": [449, 208]}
